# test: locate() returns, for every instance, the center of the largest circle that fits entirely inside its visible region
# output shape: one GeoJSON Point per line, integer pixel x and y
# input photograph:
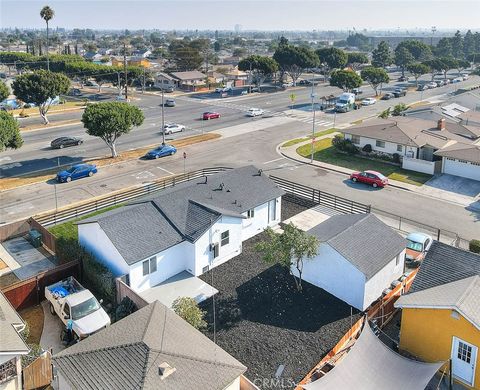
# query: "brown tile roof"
{"type": "Point", "coordinates": [461, 151]}
{"type": "Point", "coordinates": [191, 75]}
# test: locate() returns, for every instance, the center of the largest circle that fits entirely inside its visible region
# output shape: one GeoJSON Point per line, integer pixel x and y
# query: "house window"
{"type": "Point", "coordinates": [149, 266]}
{"type": "Point", "coordinates": [8, 370]}
{"type": "Point", "coordinates": [397, 260]}
{"type": "Point", "coordinates": [380, 144]}
{"type": "Point", "coordinates": [356, 139]}
{"type": "Point", "coordinates": [225, 238]}
{"type": "Point", "coordinates": [399, 148]}
{"type": "Point", "coordinates": [464, 352]}
{"type": "Point", "coordinates": [205, 269]}
{"type": "Point", "coordinates": [250, 213]}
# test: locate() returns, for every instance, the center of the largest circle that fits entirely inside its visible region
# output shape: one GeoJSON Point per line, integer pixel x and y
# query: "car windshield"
{"type": "Point", "coordinates": [71, 170]}
{"type": "Point", "coordinates": [85, 308]}
{"type": "Point", "coordinates": [342, 101]}
{"type": "Point", "coordinates": [414, 246]}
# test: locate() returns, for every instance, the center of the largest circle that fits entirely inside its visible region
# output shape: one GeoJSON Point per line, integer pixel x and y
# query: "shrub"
{"type": "Point", "coordinates": [26, 105]}
{"type": "Point", "coordinates": [367, 148]}
{"type": "Point", "coordinates": [188, 309]}
{"type": "Point", "coordinates": [125, 308]}
{"type": "Point", "coordinates": [344, 145]}
{"type": "Point", "coordinates": [396, 158]}
{"type": "Point", "coordinates": [385, 114]}
{"type": "Point", "coordinates": [474, 246]}
{"type": "Point", "coordinates": [398, 109]}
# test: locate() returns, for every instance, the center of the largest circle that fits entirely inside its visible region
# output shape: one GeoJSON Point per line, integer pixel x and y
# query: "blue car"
{"type": "Point", "coordinates": [160, 151]}
{"type": "Point", "coordinates": [76, 172]}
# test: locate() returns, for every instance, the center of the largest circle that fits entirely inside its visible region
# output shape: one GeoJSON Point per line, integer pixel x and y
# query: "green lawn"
{"type": "Point", "coordinates": [299, 140]}
{"type": "Point", "coordinates": [324, 151]}
{"type": "Point", "coordinates": [69, 230]}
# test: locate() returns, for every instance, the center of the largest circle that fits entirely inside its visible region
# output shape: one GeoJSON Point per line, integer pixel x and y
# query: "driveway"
{"type": "Point", "coordinates": [454, 189]}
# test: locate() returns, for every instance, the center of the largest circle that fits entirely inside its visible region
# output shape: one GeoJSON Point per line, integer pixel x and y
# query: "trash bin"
{"type": "Point", "coordinates": [35, 238]}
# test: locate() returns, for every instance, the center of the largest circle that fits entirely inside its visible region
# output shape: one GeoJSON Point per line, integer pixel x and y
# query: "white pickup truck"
{"type": "Point", "coordinates": [71, 301]}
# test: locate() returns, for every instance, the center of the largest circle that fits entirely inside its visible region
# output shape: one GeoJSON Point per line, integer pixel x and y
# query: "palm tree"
{"type": "Point", "coordinates": [47, 13]}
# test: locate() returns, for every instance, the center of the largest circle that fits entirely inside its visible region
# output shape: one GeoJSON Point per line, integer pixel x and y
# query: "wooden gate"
{"type": "Point", "coordinates": [38, 373]}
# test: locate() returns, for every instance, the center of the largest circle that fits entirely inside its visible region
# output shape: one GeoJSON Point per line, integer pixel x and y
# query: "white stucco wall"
{"type": "Point", "coordinates": [389, 148]}
{"type": "Point", "coordinates": [414, 164]}
{"type": "Point", "coordinates": [235, 385]}
{"type": "Point", "coordinates": [330, 271]}
{"type": "Point", "coordinates": [92, 237]}
{"type": "Point", "coordinates": [260, 221]}
{"type": "Point", "coordinates": [382, 279]}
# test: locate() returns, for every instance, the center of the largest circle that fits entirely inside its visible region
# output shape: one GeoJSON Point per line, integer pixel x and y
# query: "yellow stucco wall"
{"type": "Point", "coordinates": [428, 333]}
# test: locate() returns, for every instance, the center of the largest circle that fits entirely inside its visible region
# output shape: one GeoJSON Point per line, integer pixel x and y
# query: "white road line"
{"type": "Point", "coordinates": [271, 161]}
{"type": "Point", "coordinates": [163, 169]}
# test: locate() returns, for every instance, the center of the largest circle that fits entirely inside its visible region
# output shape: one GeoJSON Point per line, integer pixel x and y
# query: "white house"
{"type": "Point", "coordinates": [423, 145]}
{"type": "Point", "coordinates": [191, 227]}
{"type": "Point", "coordinates": [358, 257]}
{"type": "Point", "coordinates": [12, 346]}
{"type": "Point", "coordinates": [164, 81]}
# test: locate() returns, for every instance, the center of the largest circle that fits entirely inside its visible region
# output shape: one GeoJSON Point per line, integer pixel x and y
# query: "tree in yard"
{"type": "Point", "coordinates": [47, 14]}
{"type": "Point", "coordinates": [187, 308]}
{"type": "Point", "coordinates": [382, 55]}
{"type": "Point", "coordinates": [9, 132]}
{"type": "Point", "coordinates": [402, 58]}
{"type": "Point", "coordinates": [457, 45]}
{"type": "Point", "coordinates": [354, 60]}
{"type": "Point", "coordinates": [375, 77]}
{"type": "Point", "coordinates": [331, 58]}
{"type": "Point", "coordinates": [345, 79]}
{"type": "Point", "coordinates": [288, 249]}
{"type": "Point", "coordinates": [399, 108]}
{"type": "Point", "coordinates": [109, 120]}
{"type": "Point", "coordinates": [417, 69]}
{"type": "Point", "coordinates": [4, 91]}
{"type": "Point", "coordinates": [293, 60]}
{"type": "Point", "coordinates": [40, 87]}
{"type": "Point", "coordinates": [260, 67]}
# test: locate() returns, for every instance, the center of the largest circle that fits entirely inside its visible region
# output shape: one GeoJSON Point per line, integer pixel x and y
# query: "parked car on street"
{"type": "Point", "coordinates": [357, 91]}
{"type": "Point", "coordinates": [465, 76]}
{"type": "Point", "coordinates": [170, 103]}
{"type": "Point", "coordinates": [418, 245]}
{"type": "Point", "coordinates": [121, 98]}
{"type": "Point", "coordinates": [388, 96]}
{"type": "Point", "coordinates": [168, 89]}
{"type": "Point", "coordinates": [368, 101]}
{"type": "Point", "coordinates": [63, 142]}
{"type": "Point", "coordinates": [422, 87]}
{"type": "Point", "coordinates": [255, 112]}
{"type": "Point", "coordinates": [403, 78]}
{"type": "Point", "coordinates": [457, 80]}
{"type": "Point", "coordinates": [374, 178]}
{"type": "Point", "coordinates": [161, 151]}
{"type": "Point", "coordinates": [171, 128]}
{"type": "Point", "coordinates": [70, 301]}
{"type": "Point", "coordinates": [440, 83]}
{"type": "Point", "coordinates": [76, 172]}
{"type": "Point", "coordinates": [432, 84]}
{"type": "Point", "coordinates": [398, 92]}
{"type": "Point", "coordinates": [75, 92]}
{"type": "Point", "coordinates": [210, 115]}
{"type": "Point", "coordinates": [447, 81]}
{"type": "Point", "coordinates": [90, 83]}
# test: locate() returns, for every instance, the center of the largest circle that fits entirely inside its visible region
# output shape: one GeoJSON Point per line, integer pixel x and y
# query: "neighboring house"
{"type": "Point", "coordinates": [189, 81]}
{"type": "Point", "coordinates": [12, 346]}
{"type": "Point", "coordinates": [215, 77]}
{"type": "Point", "coordinates": [452, 112]}
{"type": "Point", "coordinates": [92, 56]}
{"type": "Point", "coordinates": [193, 227]}
{"type": "Point", "coordinates": [441, 312]}
{"type": "Point", "coordinates": [152, 348]}
{"type": "Point", "coordinates": [238, 77]}
{"type": "Point", "coordinates": [142, 53]}
{"type": "Point", "coordinates": [359, 256]}
{"type": "Point", "coordinates": [164, 81]}
{"type": "Point", "coordinates": [421, 144]}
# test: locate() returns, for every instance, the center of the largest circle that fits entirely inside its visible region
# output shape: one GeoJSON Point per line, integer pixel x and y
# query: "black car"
{"type": "Point", "coordinates": [388, 96]}
{"type": "Point", "coordinates": [399, 92]}
{"type": "Point", "coordinates": [63, 142]}
{"type": "Point", "coordinates": [403, 78]}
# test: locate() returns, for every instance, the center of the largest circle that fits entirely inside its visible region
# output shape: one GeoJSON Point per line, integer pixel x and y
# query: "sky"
{"type": "Point", "coordinates": [250, 14]}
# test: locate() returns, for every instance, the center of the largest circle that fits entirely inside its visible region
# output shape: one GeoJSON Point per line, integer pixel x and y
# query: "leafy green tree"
{"type": "Point", "coordinates": [399, 108]}
{"type": "Point", "coordinates": [444, 48]}
{"type": "Point", "coordinates": [47, 14]}
{"type": "Point", "coordinates": [457, 45]}
{"type": "Point", "coordinates": [419, 50]}
{"type": "Point", "coordinates": [403, 57]}
{"type": "Point", "coordinates": [217, 46]}
{"type": "Point", "coordinates": [359, 41]}
{"type": "Point", "coordinates": [355, 59]}
{"type": "Point", "coordinates": [109, 120]}
{"type": "Point", "coordinates": [4, 91]}
{"type": "Point", "coordinates": [476, 38]}
{"type": "Point", "coordinates": [187, 308]}
{"type": "Point", "coordinates": [382, 55]}
{"type": "Point", "coordinates": [345, 79]}
{"type": "Point", "coordinates": [385, 113]}
{"type": "Point", "coordinates": [474, 58]}
{"type": "Point", "coordinates": [461, 65]}
{"type": "Point", "coordinates": [186, 55]}
{"type": "Point", "coordinates": [417, 69]}
{"type": "Point", "coordinates": [375, 77]}
{"type": "Point", "coordinates": [468, 44]}
{"type": "Point", "coordinates": [435, 65]}
{"type": "Point", "coordinates": [260, 67]}
{"type": "Point", "coordinates": [239, 52]}
{"type": "Point", "coordinates": [293, 60]}
{"type": "Point", "coordinates": [332, 58]}
{"type": "Point", "coordinates": [289, 249]}
{"type": "Point", "coordinates": [40, 87]}
{"type": "Point", "coordinates": [447, 63]}
{"type": "Point", "coordinates": [9, 132]}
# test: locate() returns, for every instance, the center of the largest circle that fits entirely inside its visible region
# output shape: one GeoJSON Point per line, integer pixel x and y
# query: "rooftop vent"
{"type": "Point", "coordinates": [441, 124]}
{"type": "Point", "coordinates": [164, 370]}
{"type": "Point", "coordinates": [260, 171]}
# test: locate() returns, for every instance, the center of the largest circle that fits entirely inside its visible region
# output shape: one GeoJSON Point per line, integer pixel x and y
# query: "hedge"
{"type": "Point", "coordinates": [474, 246]}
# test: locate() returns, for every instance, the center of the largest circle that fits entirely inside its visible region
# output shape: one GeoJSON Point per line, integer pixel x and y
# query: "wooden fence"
{"type": "Point", "coordinates": [381, 312]}
{"type": "Point", "coordinates": [30, 292]}
{"type": "Point", "coordinates": [14, 229]}
{"type": "Point", "coordinates": [38, 374]}
{"type": "Point", "coordinates": [48, 239]}
{"type": "Point", "coordinates": [125, 291]}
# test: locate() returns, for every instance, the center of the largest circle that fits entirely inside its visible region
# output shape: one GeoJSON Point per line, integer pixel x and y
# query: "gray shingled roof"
{"type": "Point", "coordinates": [462, 295]}
{"type": "Point", "coordinates": [365, 241]}
{"type": "Point", "coordinates": [127, 354]}
{"type": "Point", "coordinates": [183, 212]}
{"type": "Point", "coordinates": [445, 264]}
{"type": "Point", "coordinates": [10, 340]}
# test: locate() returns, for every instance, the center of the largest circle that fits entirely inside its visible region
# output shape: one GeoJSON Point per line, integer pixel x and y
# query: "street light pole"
{"type": "Point", "coordinates": [313, 122]}
{"type": "Point", "coordinates": [163, 120]}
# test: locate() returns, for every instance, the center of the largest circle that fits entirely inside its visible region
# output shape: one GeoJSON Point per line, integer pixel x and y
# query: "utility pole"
{"type": "Point", "coordinates": [125, 69]}
{"type": "Point", "coordinates": [143, 84]}
{"type": "Point", "coordinates": [313, 122]}
{"type": "Point", "coordinates": [433, 33]}
{"type": "Point", "coordinates": [163, 120]}
{"type": "Point", "coordinates": [119, 84]}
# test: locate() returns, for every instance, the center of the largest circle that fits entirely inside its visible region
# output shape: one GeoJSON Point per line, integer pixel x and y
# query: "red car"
{"type": "Point", "coordinates": [374, 178]}
{"type": "Point", "coordinates": [210, 115]}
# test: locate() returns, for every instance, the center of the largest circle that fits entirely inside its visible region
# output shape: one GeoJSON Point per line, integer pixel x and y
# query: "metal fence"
{"type": "Point", "coordinates": [317, 197]}
{"type": "Point", "coordinates": [54, 217]}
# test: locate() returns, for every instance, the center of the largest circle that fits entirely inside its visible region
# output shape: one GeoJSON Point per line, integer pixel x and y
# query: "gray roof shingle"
{"type": "Point", "coordinates": [127, 354]}
{"type": "Point", "coordinates": [183, 212]}
{"type": "Point", "coordinates": [10, 340]}
{"type": "Point", "coordinates": [365, 241]}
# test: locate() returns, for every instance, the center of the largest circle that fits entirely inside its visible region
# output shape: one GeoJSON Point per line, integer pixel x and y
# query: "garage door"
{"type": "Point", "coordinates": [463, 169]}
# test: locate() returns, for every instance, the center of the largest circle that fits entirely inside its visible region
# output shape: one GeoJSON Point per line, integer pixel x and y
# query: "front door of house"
{"type": "Point", "coordinates": [464, 357]}
{"type": "Point", "coordinates": [272, 210]}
